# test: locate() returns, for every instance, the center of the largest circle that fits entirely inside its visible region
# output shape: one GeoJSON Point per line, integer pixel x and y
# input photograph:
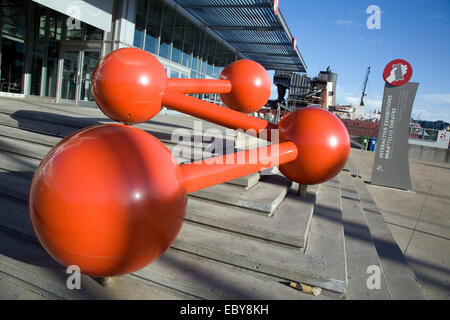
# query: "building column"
{"type": "Point", "coordinates": [124, 16]}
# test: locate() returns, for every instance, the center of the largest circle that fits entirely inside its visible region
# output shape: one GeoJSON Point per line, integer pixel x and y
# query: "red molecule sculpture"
{"type": "Point", "coordinates": [111, 198]}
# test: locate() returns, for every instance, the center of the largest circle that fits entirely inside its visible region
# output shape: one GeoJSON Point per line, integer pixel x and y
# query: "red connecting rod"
{"type": "Point", "coordinates": [213, 113]}
{"type": "Point", "coordinates": [206, 173]}
{"type": "Point", "coordinates": [199, 85]}
{"type": "Point", "coordinates": [137, 96]}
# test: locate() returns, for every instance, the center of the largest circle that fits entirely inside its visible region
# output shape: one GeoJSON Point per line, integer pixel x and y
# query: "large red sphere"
{"type": "Point", "coordinates": [109, 199]}
{"type": "Point", "coordinates": [250, 85]}
{"type": "Point", "coordinates": [323, 145]}
{"type": "Point", "coordinates": [128, 85]}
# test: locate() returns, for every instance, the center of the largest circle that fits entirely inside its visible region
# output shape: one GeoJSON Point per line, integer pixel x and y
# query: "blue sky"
{"type": "Point", "coordinates": [334, 33]}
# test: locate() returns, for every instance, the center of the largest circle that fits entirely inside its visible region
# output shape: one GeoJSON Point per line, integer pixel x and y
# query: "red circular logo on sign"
{"type": "Point", "coordinates": [397, 72]}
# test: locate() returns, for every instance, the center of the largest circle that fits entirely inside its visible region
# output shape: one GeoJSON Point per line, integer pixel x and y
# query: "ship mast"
{"type": "Point", "coordinates": [366, 79]}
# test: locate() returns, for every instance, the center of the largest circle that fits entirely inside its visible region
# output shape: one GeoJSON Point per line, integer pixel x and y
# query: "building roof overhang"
{"type": "Point", "coordinates": [255, 28]}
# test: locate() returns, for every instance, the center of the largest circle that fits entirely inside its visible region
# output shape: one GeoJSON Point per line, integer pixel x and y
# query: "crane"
{"type": "Point", "coordinates": [366, 79]}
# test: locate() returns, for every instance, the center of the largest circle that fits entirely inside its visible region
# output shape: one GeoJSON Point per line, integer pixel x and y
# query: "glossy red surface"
{"type": "Point", "coordinates": [212, 171]}
{"type": "Point", "coordinates": [128, 85]}
{"type": "Point", "coordinates": [109, 199]}
{"type": "Point", "coordinates": [251, 86]}
{"type": "Point", "coordinates": [323, 145]}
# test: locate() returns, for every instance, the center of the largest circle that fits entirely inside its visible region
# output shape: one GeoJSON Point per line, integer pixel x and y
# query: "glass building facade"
{"type": "Point", "coordinates": [185, 49]}
{"type": "Point", "coordinates": [48, 54]}
{"type": "Point", "coordinates": [35, 49]}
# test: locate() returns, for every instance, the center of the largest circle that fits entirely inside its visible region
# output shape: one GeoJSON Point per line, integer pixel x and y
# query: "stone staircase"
{"type": "Point", "coordinates": [245, 239]}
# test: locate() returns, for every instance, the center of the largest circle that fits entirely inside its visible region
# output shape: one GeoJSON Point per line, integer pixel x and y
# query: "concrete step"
{"type": "Point", "coordinates": [28, 266]}
{"type": "Point", "coordinates": [24, 148]}
{"type": "Point", "coordinates": [176, 274]}
{"type": "Point", "coordinates": [400, 279]}
{"type": "Point", "coordinates": [213, 243]}
{"type": "Point", "coordinates": [31, 130]}
{"type": "Point", "coordinates": [28, 115]}
{"type": "Point", "coordinates": [20, 164]}
{"type": "Point", "coordinates": [40, 138]}
{"type": "Point", "coordinates": [29, 145]}
{"type": "Point", "coordinates": [265, 197]}
{"type": "Point", "coordinates": [246, 182]}
{"type": "Point", "coordinates": [289, 225]}
{"type": "Point", "coordinates": [359, 246]}
{"type": "Point", "coordinates": [323, 263]}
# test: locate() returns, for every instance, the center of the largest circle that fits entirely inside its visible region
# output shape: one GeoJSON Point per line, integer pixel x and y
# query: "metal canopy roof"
{"type": "Point", "coordinates": [252, 27]}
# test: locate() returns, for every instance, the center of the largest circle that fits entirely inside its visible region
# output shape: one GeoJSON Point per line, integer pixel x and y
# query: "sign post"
{"type": "Point", "coordinates": [391, 165]}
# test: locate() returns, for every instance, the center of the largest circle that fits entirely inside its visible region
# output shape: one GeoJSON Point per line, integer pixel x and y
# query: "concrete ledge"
{"type": "Point", "coordinates": [289, 225]}
{"type": "Point", "coordinates": [400, 279]}
{"type": "Point", "coordinates": [246, 182]}
{"type": "Point", "coordinates": [360, 250]}
{"type": "Point", "coordinates": [265, 197]}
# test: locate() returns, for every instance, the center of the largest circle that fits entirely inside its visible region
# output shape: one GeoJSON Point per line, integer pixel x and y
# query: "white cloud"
{"type": "Point", "coordinates": [443, 98]}
{"type": "Point", "coordinates": [346, 23]}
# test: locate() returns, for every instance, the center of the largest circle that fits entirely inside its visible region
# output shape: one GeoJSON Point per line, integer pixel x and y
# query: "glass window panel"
{"type": "Point", "coordinates": [36, 68]}
{"type": "Point", "coordinates": [198, 38]}
{"type": "Point", "coordinates": [194, 63]}
{"type": "Point", "coordinates": [39, 22]}
{"type": "Point", "coordinates": [204, 64]}
{"type": "Point", "coordinates": [178, 38]}
{"type": "Point", "coordinates": [153, 26]}
{"type": "Point", "coordinates": [12, 66]}
{"type": "Point", "coordinates": [140, 23]}
{"type": "Point", "coordinates": [211, 51]}
{"type": "Point", "coordinates": [166, 32]}
{"type": "Point", "coordinates": [174, 74]}
{"type": "Point", "coordinates": [215, 73]}
{"type": "Point", "coordinates": [54, 21]}
{"type": "Point", "coordinates": [188, 44]}
{"type": "Point", "coordinates": [93, 33]}
{"type": "Point", "coordinates": [204, 47]}
{"type": "Point", "coordinates": [51, 70]}
{"type": "Point", "coordinates": [74, 34]}
{"type": "Point", "coordinates": [13, 20]}
{"type": "Point", "coordinates": [69, 72]}
{"type": "Point", "coordinates": [90, 61]}
{"type": "Point", "coordinates": [209, 69]}
{"type": "Point", "coordinates": [430, 135]}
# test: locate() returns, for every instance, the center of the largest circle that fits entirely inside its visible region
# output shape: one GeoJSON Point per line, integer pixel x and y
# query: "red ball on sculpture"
{"type": "Point", "coordinates": [322, 141]}
{"type": "Point", "coordinates": [128, 85]}
{"type": "Point", "coordinates": [109, 199]}
{"type": "Point", "coordinates": [251, 86]}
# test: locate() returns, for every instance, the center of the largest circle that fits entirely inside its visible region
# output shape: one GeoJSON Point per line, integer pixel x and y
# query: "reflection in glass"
{"type": "Point", "coordinates": [139, 27]}
{"type": "Point", "coordinates": [153, 25]}
{"type": "Point", "coordinates": [69, 75]}
{"type": "Point", "coordinates": [92, 33]}
{"type": "Point", "coordinates": [54, 21]}
{"type": "Point", "coordinates": [174, 74]}
{"type": "Point", "coordinates": [36, 68]}
{"type": "Point", "coordinates": [178, 38]}
{"type": "Point", "coordinates": [12, 67]}
{"type": "Point", "coordinates": [89, 62]}
{"type": "Point", "coordinates": [50, 70]}
{"type": "Point", "coordinates": [13, 20]}
{"type": "Point", "coordinates": [188, 45]}
{"type": "Point", "coordinates": [166, 32]}
{"type": "Point", "coordinates": [430, 135]}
